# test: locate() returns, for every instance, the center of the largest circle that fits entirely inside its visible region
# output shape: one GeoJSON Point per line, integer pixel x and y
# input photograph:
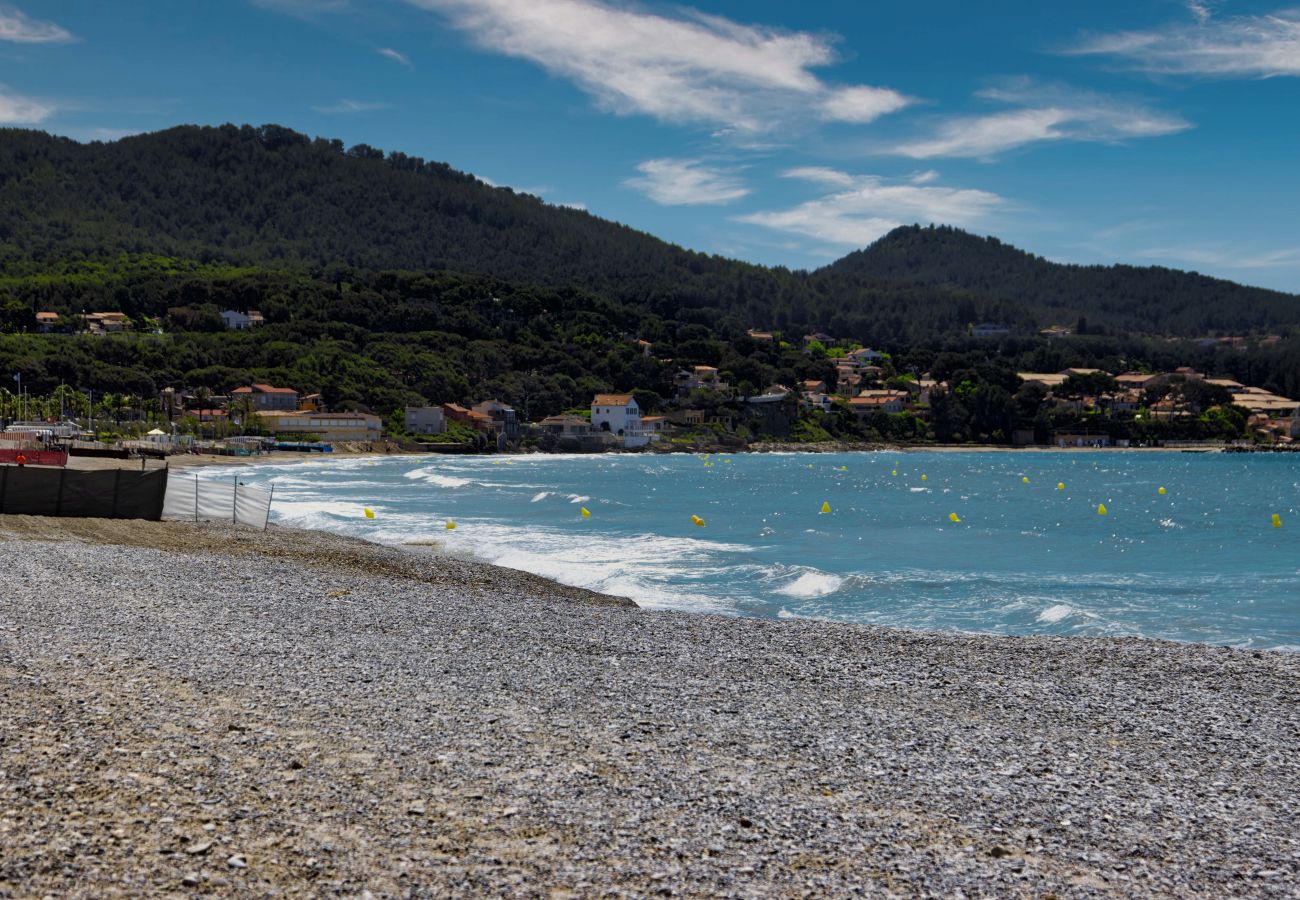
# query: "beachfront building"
{"type": "Point", "coordinates": [425, 420]}
{"type": "Point", "coordinates": [504, 420]}
{"type": "Point", "coordinates": [322, 426]}
{"type": "Point", "coordinates": [454, 412]}
{"type": "Point", "coordinates": [616, 413]}
{"type": "Point", "coordinates": [266, 397]}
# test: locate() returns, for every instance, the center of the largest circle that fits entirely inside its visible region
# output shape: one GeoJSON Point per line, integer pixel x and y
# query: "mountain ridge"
{"type": "Point", "coordinates": [274, 197]}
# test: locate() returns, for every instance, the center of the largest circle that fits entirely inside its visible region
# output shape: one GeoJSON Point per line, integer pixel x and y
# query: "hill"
{"type": "Point", "coordinates": [1128, 298]}
{"type": "Point", "coordinates": [270, 197]}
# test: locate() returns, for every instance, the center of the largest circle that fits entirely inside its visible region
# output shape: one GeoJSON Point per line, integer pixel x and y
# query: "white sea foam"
{"type": "Point", "coordinates": [578, 498]}
{"type": "Point", "coordinates": [812, 583]}
{"type": "Point", "coordinates": [1056, 613]}
{"type": "Point", "coordinates": [431, 476]}
{"type": "Point", "coordinates": [540, 495]}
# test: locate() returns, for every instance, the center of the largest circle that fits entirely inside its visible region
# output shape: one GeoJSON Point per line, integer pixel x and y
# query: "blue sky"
{"type": "Point", "coordinates": [1150, 132]}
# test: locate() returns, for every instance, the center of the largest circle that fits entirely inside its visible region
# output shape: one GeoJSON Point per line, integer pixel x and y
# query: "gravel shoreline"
{"type": "Point", "coordinates": [196, 710]}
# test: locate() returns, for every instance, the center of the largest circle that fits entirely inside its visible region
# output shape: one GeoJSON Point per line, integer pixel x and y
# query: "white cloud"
{"type": "Point", "coordinates": [1261, 46]}
{"type": "Point", "coordinates": [820, 175]}
{"type": "Point", "coordinates": [16, 109]}
{"type": "Point", "coordinates": [687, 182]}
{"type": "Point", "coordinates": [872, 206]}
{"type": "Point", "coordinates": [17, 27]}
{"type": "Point", "coordinates": [1047, 113]}
{"type": "Point", "coordinates": [395, 55]}
{"type": "Point", "coordinates": [348, 107]}
{"type": "Point", "coordinates": [1201, 10]}
{"type": "Point", "coordinates": [687, 68]}
{"type": "Point", "coordinates": [1223, 257]}
{"type": "Point", "coordinates": [302, 8]}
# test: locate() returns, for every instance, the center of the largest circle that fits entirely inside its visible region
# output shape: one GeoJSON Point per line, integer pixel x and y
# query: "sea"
{"type": "Point", "coordinates": [1182, 546]}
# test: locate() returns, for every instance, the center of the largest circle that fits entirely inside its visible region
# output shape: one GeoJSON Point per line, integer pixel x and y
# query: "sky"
{"type": "Point", "coordinates": [1150, 132]}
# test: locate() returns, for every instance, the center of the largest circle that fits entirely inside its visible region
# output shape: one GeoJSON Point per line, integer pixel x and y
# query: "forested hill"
{"type": "Point", "coordinates": [273, 197]}
{"type": "Point", "coordinates": [269, 197]}
{"type": "Point", "coordinates": [1145, 299]}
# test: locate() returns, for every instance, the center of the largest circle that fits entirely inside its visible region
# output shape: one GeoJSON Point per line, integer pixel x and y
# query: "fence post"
{"type": "Point", "coordinates": [269, 501]}
{"type": "Point", "coordinates": [196, 498]}
{"type": "Point", "coordinates": [234, 504]}
{"type": "Point", "coordinates": [58, 503]}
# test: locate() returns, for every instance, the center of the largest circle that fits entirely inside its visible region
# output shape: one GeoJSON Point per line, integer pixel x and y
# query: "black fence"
{"type": "Point", "coordinates": [113, 494]}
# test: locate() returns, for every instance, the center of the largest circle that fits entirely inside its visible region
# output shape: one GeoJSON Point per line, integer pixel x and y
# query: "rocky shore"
{"type": "Point", "coordinates": [188, 710]}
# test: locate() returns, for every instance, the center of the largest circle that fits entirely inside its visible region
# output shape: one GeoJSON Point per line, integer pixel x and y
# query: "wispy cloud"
{"type": "Point", "coordinates": [687, 182]}
{"type": "Point", "coordinates": [395, 55]}
{"type": "Point", "coordinates": [17, 27]}
{"type": "Point", "coordinates": [1046, 113]}
{"type": "Point", "coordinates": [349, 107]}
{"type": "Point", "coordinates": [15, 109]}
{"type": "Point", "coordinates": [869, 206]}
{"type": "Point", "coordinates": [302, 8]}
{"type": "Point", "coordinates": [1223, 257]}
{"type": "Point", "coordinates": [1201, 10]}
{"type": "Point", "coordinates": [1259, 46]}
{"type": "Point", "coordinates": [687, 67]}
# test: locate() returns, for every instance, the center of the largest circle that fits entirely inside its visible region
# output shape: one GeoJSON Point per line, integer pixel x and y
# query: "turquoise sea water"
{"type": "Point", "coordinates": [1202, 562]}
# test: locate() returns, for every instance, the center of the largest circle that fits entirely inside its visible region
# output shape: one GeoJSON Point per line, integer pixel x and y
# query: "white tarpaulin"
{"type": "Point", "coordinates": [217, 500]}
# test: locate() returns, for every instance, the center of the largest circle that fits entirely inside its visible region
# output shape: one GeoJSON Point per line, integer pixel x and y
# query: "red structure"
{"type": "Point", "coordinates": [35, 457]}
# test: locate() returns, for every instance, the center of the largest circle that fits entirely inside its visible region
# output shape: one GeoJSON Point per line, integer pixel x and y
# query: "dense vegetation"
{"type": "Point", "coordinates": [272, 197]}
{"type": "Point", "coordinates": [387, 280]}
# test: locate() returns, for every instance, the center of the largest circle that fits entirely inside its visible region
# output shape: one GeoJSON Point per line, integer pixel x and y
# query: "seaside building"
{"type": "Point", "coordinates": [504, 420]}
{"type": "Point", "coordinates": [425, 420]}
{"type": "Point", "coordinates": [266, 397]}
{"type": "Point", "coordinates": [619, 415]}
{"type": "Point", "coordinates": [476, 420]}
{"type": "Point", "coordinates": [46, 321]}
{"type": "Point", "coordinates": [324, 426]}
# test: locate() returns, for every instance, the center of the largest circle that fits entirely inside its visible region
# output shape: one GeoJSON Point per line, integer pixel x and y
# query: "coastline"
{"type": "Point", "coordinates": [351, 717]}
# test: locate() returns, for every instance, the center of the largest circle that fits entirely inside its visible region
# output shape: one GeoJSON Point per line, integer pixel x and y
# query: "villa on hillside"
{"type": "Point", "coordinates": [242, 321]}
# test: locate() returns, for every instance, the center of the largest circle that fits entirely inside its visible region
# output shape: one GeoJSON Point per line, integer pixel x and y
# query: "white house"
{"type": "Point", "coordinates": [619, 415]}
{"type": "Point", "coordinates": [239, 321]}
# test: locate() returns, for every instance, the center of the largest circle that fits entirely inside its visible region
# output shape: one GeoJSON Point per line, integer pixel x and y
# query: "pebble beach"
{"type": "Point", "coordinates": [199, 710]}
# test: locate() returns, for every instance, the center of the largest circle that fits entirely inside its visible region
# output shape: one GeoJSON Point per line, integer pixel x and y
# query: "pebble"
{"type": "Point", "coordinates": [172, 679]}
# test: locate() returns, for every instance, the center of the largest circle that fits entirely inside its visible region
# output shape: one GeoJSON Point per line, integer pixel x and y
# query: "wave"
{"type": "Point", "coordinates": [431, 476]}
{"type": "Point", "coordinates": [812, 583]}
{"type": "Point", "coordinates": [540, 495]}
{"type": "Point", "coordinates": [1056, 613]}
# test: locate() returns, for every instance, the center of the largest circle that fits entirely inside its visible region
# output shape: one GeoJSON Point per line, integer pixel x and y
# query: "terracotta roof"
{"type": "Point", "coordinates": [263, 389]}
{"type": "Point", "coordinates": [611, 400]}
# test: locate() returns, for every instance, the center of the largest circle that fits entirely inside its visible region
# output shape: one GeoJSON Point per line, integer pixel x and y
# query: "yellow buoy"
{"type": "Point", "coordinates": [370, 513]}
{"type": "Point", "coordinates": [1101, 509]}
{"type": "Point", "coordinates": [953, 517]}
{"type": "Point", "coordinates": [826, 507]}
{"type": "Point", "coordinates": [893, 472]}
{"type": "Point", "coordinates": [697, 521]}
{"type": "Point", "coordinates": [586, 513]}
{"type": "Point", "coordinates": [1277, 521]}
{"type": "Point", "coordinates": [1024, 479]}
{"type": "Point", "coordinates": [923, 478]}
{"type": "Point", "coordinates": [451, 526]}
{"type": "Point", "coordinates": [1060, 485]}
{"type": "Point", "coordinates": [1162, 491]}
{"type": "Point", "coordinates": [844, 468]}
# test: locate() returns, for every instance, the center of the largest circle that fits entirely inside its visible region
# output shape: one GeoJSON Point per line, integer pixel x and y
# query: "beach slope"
{"type": "Point", "coordinates": [190, 709]}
